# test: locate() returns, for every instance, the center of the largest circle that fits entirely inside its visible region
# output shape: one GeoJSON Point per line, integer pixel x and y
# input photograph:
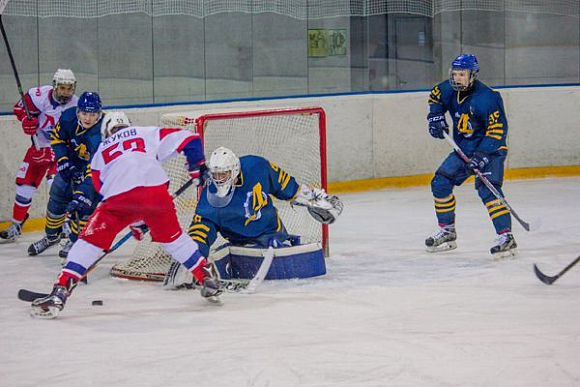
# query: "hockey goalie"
{"type": "Point", "coordinates": [237, 203]}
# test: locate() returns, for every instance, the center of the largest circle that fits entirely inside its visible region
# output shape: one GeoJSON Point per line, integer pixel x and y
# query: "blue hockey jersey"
{"type": "Point", "coordinates": [250, 214]}
{"type": "Point", "coordinates": [479, 120]}
{"type": "Point", "coordinates": [69, 139]}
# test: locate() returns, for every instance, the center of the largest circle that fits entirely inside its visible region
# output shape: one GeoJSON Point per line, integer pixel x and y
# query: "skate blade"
{"type": "Point", "coordinates": [442, 247]}
{"type": "Point", "coordinates": [216, 300]}
{"type": "Point", "coordinates": [509, 254]}
{"type": "Point", "coordinates": [49, 314]}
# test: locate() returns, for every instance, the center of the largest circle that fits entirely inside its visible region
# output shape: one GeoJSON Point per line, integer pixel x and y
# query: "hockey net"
{"type": "Point", "coordinates": [293, 139]}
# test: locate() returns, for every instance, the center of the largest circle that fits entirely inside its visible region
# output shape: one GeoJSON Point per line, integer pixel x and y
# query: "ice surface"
{"type": "Point", "coordinates": [386, 314]}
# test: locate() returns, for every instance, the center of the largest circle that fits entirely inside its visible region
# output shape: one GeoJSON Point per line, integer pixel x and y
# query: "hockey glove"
{"type": "Point", "coordinates": [323, 208]}
{"type": "Point", "coordinates": [68, 172]}
{"type": "Point", "coordinates": [42, 155]}
{"type": "Point", "coordinates": [479, 161]}
{"type": "Point", "coordinates": [139, 230]}
{"type": "Point", "coordinates": [199, 173]}
{"type": "Point", "coordinates": [30, 125]}
{"type": "Point", "coordinates": [437, 125]}
{"type": "Point", "coordinates": [79, 203]}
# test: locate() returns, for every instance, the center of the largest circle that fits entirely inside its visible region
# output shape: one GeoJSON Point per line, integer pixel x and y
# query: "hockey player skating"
{"type": "Point", "coordinates": [45, 104]}
{"type": "Point", "coordinates": [127, 172]}
{"type": "Point", "coordinates": [74, 140]}
{"type": "Point", "coordinates": [236, 203]}
{"type": "Point", "coordinates": [480, 129]}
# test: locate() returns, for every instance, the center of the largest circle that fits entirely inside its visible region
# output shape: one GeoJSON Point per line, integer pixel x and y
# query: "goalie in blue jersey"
{"type": "Point", "coordinates": [236, 203]}
{"type": "Point", "coordinates": [480, 129]}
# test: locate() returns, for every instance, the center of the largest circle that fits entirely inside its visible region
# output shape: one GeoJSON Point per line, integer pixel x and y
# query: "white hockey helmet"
{"type": "Point", "coordinates": [224, 168]}
{"type": "Point", "coordinates": [63, 77]}
{"type": "Point", "coordinates": [114, 121]}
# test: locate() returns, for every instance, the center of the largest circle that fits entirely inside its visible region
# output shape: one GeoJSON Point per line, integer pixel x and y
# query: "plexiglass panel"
{"type": "Point", "coordinates": [155, 54]}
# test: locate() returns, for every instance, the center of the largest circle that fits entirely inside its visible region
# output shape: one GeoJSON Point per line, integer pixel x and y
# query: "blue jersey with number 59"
{"type": "Point", "coordinates": [479, 120]}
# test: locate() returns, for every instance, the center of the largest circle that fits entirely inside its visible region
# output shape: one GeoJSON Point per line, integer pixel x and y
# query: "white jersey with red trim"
{"type": "Point", "coordinates": [46, 109]}
{"type": "Point", "coordinates": [132, 158]}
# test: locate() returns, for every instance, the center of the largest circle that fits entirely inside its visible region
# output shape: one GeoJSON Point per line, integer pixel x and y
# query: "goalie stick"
{"type": "Point", "coordinates": [25, 294]}
{"type": "Point", "coordinates": [261, 273]}
{"type": "Point", "coordinates": [550, 280]}
{"type": "Point", "coordinates": [487, 183]}
{"type": "Point", "coordinates": [246, 286]}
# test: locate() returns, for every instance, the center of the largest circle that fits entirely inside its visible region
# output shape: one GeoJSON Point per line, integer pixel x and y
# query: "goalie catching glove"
{"type": "Point", "coordinates": [323, 208]}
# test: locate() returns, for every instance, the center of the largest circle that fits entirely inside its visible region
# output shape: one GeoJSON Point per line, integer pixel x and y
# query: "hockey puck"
{"type": "Point", "coordinates": [97, 302]}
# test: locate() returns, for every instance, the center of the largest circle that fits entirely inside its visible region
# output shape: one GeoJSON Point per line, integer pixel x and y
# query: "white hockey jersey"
{"type": "Point", "coordinates": [48, 111]}
{"type": "Point", "coordinates": [132, 158]}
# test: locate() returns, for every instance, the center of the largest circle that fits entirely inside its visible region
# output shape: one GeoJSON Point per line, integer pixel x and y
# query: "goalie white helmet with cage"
{"type": "Point", "coordinates": [64, 85]}
{"type": "Point", "coordinates": [114, 121]}
{"type": "Point", "coordinates": [224, 168]}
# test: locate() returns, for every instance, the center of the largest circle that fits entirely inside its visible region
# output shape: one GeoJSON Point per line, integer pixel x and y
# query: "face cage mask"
{"type": "Point", "coordinates": [458, 86]}
{"type": "Point", "coordinates": [63, 100]}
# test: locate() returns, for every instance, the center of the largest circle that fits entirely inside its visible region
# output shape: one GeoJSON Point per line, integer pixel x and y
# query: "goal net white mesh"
{"type": "Point", "coordinates": [299, 9]}
{"type": "Point", "coordinates": [293, 139]}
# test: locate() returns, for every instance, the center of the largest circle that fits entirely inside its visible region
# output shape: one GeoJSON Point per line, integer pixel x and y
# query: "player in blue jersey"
{"type": "Point", "coordinates": [480, 129]}
{"type": "Point", "coordinates": [236, 203]}
{"type": "Point", "coordinates": [74, 140]}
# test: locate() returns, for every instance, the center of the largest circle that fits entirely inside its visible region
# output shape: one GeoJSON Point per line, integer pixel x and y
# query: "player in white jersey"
{"type": "Point", "coordinates": [127, 172]}
{"type": "Point", "coordinates": [45, 104]}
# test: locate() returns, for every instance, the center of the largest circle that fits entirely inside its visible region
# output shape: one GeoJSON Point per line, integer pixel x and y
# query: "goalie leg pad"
{"type": "Point", "coordinates": [302, 261]}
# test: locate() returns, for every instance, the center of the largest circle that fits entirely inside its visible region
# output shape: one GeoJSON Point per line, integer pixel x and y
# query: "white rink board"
{"type": "Point", "coordinates": [374, 135]}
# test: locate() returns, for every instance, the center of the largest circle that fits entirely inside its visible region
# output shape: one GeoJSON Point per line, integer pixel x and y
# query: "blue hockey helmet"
{"type": "Point", "coordinates": [89, 102]}
{"type": "Point", "coordinates": [464, 62]}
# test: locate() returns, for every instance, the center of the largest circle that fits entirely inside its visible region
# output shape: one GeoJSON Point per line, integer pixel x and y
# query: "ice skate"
{"type": "Point", "coordinates": [63, 253]}
{"type": "Point", "coordinates": [442, 240]}
{"type": "Point", "coordinates": [50, 306]}
{"type": "Point", "coordinates": [43, 244]}
{"type": "Point", "coordinates": [12, 233]}
{"type": "Point", "coordinates": [505, 247]}
{"type": "Point", "coordinates": [211, 289]}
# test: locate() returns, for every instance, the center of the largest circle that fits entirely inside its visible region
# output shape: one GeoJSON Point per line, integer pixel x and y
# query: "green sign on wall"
{"type": "Point", "coordinates": [326, 42]}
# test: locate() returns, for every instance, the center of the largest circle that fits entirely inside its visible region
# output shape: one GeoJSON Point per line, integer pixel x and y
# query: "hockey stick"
{"type": "Point", "coordinates": [22, 293]}
{"type": "Point", "coordinates": [487, 183]}
{"type": "Point", "coordinates": [550, 280]}
{"type": "Point", "coordinates": [261, 273]}
{"type": "Point", "coordinates": [230, 286]}
{"type": "Point", "coordinates": [246, 286]}
{"type": "Point", "coordinates": [18, 84]}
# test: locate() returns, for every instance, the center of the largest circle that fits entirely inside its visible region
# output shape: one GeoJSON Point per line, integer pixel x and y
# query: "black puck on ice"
{"type": "Point", "coordinates": [97, 302]}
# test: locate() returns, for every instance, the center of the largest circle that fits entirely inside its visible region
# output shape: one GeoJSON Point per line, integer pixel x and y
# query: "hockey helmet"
{"type": "Point", "coordinates": [224, 168]}
{"type": "Point", "coordinates": [64, 84]}
{"type": "Point", "coordinates": [113, 122]}
{"type": "Point", "coordinates": [89, 109]}
{"type": "Point", "coordinates": [89, 102]}
{"type": "Point", "coordinates": [466, 62]}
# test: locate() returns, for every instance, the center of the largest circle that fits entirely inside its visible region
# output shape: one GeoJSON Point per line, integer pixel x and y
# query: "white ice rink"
{"type": "Point", "coordinates": [386, 314]}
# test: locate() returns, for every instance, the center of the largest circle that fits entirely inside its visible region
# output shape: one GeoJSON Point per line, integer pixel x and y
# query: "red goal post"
{"type": "Point", "coordinates": [294, 139]}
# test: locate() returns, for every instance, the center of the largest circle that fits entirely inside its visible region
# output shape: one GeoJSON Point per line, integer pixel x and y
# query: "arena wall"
{"type": "Point", "coordinates": [374, 137]}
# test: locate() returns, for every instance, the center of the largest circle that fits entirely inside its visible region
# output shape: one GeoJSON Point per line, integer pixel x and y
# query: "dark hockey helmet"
{"type": "Point", "coordinates": [464, 62]}
{"type": "Point", "coordinates": [89, 102]}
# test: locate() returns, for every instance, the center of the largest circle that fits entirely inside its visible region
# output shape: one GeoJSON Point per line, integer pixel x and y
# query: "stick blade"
{"type": "Point", "coordinates": [544, 278]}
{"type": "Point", "coordinates": [29, 296]}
